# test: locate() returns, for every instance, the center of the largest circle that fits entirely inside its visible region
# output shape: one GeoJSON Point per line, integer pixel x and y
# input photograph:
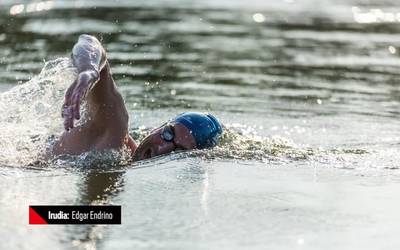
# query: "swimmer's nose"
{"type": "Point", "coordinates": [157, 149]}
{"type": "Point", "coordinates": [148, 153]}
{"type": "Point", "coordinates": [153, 145]}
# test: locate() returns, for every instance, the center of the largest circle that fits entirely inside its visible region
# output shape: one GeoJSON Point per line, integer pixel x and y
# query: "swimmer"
{"type": "Point", "coordinates": [107, 123]}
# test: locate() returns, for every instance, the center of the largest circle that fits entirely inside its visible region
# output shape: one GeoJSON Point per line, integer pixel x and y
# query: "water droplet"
{"type": "Point", "coordinates": [392, 50]}
{"type": "Point", "coordinates": [258, 18]}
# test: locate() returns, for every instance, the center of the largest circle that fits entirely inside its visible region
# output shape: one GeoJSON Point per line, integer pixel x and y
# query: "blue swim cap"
{"type": "Point", "coordinates": [205, 128]}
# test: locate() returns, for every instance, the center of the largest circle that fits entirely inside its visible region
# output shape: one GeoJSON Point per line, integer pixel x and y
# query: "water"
{"type": "Point", "coordinates": [307, 91]}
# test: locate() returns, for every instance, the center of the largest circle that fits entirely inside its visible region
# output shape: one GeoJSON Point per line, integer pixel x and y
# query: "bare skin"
{"type": "Point", "coordinates": [107, 124]}
{"type": "Point", "coordinates": [154, 145]}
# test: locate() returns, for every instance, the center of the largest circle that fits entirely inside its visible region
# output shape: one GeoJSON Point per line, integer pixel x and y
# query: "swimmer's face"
{"type": "Point", "coordinates": [165, 139]}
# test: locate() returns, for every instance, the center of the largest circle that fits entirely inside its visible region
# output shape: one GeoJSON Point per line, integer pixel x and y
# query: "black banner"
{"type": "Point", "coordinates": [74, 214]}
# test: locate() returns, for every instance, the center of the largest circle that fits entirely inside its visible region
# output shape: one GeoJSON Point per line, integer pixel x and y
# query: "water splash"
{"type": "Point", "coordinates": [244, 144]}
{"type": "Point", "coordinates": [30, 113]}
{"type": "Point", "coordinates": [99, 160]}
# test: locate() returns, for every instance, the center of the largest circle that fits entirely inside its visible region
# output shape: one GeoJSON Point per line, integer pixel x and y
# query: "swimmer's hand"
{"type": "Point", "coordinates": [75, 94]}
{"type": "Point", "coordinates": [89, 58]}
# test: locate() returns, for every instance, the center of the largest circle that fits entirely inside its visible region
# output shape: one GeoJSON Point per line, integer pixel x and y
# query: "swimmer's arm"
{"type": "Point", "coordinates": [89, 58]}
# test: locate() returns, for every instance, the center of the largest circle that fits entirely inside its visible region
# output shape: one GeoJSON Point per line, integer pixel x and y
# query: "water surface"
{"type": "Point", "coordinates": [307, 90]}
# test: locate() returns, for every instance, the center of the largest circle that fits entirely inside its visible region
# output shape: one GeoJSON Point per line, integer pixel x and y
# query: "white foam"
{"type": "Point", "coordinates": [30, 112]}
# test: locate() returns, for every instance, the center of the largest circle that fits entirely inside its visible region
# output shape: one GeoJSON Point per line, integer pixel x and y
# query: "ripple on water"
{"type": "Point", "coordinates": [298, 62]}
